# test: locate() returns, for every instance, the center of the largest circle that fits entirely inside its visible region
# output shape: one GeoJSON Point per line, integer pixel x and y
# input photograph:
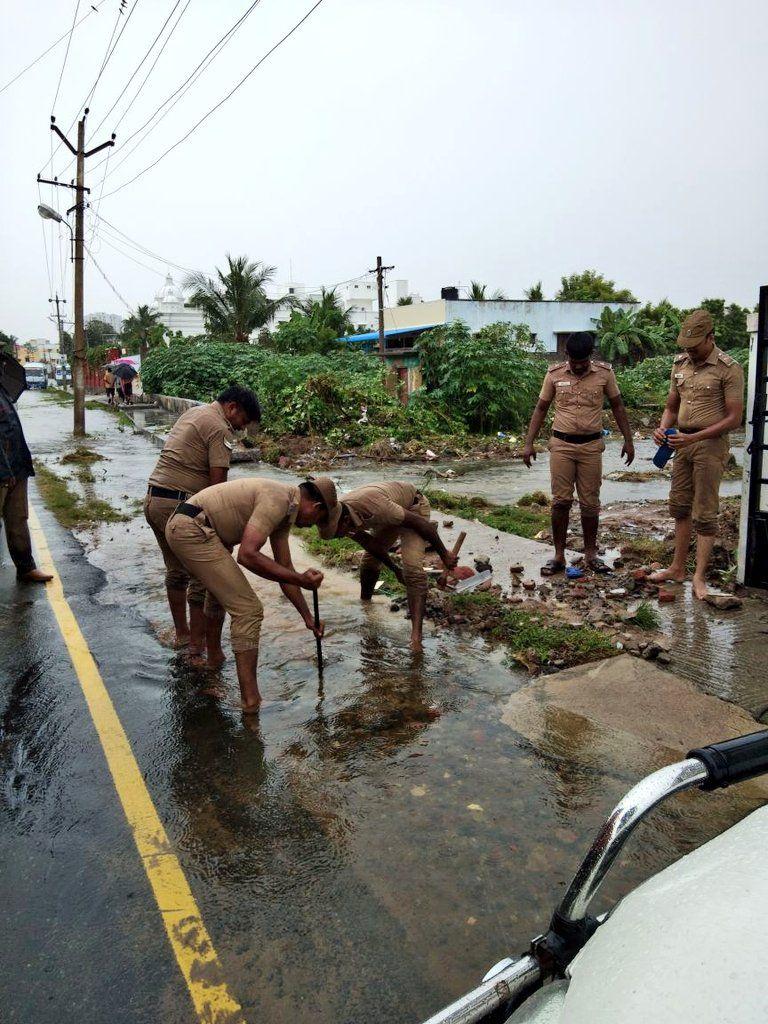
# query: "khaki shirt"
{"type": "Point", "coordinates": [374, 506]}
{"type": "Point", "coordinates": [200, 438]}
{"type": "Point", "coordinates": [109, 379]}
{"type": "Point", "coordinates": [579, 400]}
{"type": "Point", "coordinates": [268, 505]}
{"type": "Point", "coordinates": [704, 387]}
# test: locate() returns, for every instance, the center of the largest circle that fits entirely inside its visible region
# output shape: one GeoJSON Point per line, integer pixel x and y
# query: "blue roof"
{"type": "Point", "coordinates": [374, 335]}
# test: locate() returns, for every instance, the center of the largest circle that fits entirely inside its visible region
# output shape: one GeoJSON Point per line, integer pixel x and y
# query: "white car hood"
{"type": "Point", "coordinates": [689, 945]}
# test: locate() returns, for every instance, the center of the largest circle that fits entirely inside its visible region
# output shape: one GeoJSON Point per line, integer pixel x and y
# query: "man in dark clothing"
{"type": "Point", "coordinates": [15, 470]}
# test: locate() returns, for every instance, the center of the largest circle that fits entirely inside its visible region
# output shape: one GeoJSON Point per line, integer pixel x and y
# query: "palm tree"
{"type": "Point", "coordinates": [236, 304]}
{"type": "Point", "coordinates": [535, 293]}
{"type": "Point", "coordinates": [622, 339]}
{"type": "Point", "coordinates": [477, 292]}
{"type": "Point", "coordinates": [406, 300]}
{"type": "Point", "coordinates": [141, 326]}
{"type": "Point", "coordinates": [325, 312]}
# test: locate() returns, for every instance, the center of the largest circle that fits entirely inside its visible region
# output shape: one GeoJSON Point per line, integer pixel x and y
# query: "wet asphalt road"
{"type": "Point", "coordinates": [358, 855]}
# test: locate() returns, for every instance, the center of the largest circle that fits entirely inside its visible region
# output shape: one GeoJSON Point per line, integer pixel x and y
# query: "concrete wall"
{"type": "Point", "coordinates": [544, 319]}
{"type": "Point", "coordinates": [174, 404]}
{"type": "Point", "coordinates": [420, 314]}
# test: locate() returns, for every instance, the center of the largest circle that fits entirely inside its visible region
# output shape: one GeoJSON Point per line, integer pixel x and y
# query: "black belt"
{"type": "Point", "coordinates": [689, 430]}
{"type": "Point", "coordinates": [166, 492]}
{"type": "Point", "coordinates": [576, 438]}
{"type": "Point", "coordinates": [185, 509]}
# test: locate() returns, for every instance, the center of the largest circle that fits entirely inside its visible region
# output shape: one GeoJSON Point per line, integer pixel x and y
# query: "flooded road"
{"type": "Point", "coordinates": [362, 852]}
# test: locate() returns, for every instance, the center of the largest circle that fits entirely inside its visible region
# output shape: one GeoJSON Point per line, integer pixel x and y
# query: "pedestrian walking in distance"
{"type": "Point", "coordinates": [376, 516]}
{"type": "Point", "coordinates": [109, 386]}
{"type": "Point", "coordinates": [578, 388]}
{"type": "Point", "coordinates": [15, 470]}
{"type": "Point", "coordinates": [705, 401]}
{"type": "Point", "coordinates": [203, 531]}
{"type": "Point", "coordinates": [195, 455]}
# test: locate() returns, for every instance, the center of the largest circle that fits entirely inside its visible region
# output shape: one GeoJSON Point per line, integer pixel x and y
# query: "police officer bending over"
{"type": "Point", "coordinates": [578, 387]}
{"type": "Point", "coordinates": [202, 532]}
{"type": "Point", "coordinates": [195, 455]}
{"type": "Point", "coordinates": [706, 400]}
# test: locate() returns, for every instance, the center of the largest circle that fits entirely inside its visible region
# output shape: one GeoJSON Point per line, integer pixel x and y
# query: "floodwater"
{"type": "Point", "coordinates": [499, 482]}
{"type": "Point", "coordinates": [367, 848]}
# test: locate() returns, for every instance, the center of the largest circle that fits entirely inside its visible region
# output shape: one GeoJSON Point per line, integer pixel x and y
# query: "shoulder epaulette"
{"type": "Point", "coordinates": [681, 357]}
{"type": "Point", "coordinates": [605, 366]}
{"type": "Point", "coordinates": [557, 366]}
{"type": "Point", "coordinates": [728, 360]}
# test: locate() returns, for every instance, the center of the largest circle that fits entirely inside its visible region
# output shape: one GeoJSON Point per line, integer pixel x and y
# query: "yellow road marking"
{"type": "Point", "coordinates": [191, 943]}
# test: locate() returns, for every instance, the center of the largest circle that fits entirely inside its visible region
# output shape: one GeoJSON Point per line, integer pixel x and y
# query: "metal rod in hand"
{"type": "Point", "coordinates": [318, 641]}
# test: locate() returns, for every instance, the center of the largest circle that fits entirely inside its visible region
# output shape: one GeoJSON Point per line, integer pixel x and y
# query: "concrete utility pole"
{"type": "Point", "coordinates": [379, 271]}
{"type": "Point", "coordinates": [58, 318]}
{"type": "Point", "coordinates": [79, 349]}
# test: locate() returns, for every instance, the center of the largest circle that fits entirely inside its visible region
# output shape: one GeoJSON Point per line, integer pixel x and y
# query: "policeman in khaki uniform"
{"type": "Point", "coordinates": [376, 516]}
{"type": "Point", "coordinates": [578, 388]}
{"type": "Point", "coordinates": [706, 400]}
{"type": "Point", "coordinates": [196, 454]}
{"type": "Point", "coordinates": [202, 532]}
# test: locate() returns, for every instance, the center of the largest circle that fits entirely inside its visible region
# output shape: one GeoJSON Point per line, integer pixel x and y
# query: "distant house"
{"type": "Point", "coordinates": [752, 327]}
{"type": "Point", "coordinates": [550, 323]}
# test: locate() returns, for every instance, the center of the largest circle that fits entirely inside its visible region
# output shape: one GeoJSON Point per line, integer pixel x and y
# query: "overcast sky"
{"type": "Point", "coordinates": [499, 140]}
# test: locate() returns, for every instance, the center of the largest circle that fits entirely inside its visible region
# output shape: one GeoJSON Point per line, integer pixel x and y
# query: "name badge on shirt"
{"type": "Point", "coordinates": [679, 376]}
{"type": "Point", "coordinates": [564, 383]}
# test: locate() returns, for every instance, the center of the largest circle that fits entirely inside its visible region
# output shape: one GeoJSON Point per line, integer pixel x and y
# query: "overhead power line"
{"type": "Point", "coordinates": [184, 87]}
{"type": "Point", "coordinates": [94, 10]}
{"type": "Point", "coordinates": [221, 102]}
{"type": "Point", "coordinates": [142, 248]}
{"type": "Point", "coordinates": [98, 267]}
{"type": "Point", "coordinates": [123, 90]}
{"type": "Point", "coordinates": [66, 54]}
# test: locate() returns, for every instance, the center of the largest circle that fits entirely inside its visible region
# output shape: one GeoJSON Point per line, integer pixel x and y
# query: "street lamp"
{"type": "Point", "coordinates": [48, 213]}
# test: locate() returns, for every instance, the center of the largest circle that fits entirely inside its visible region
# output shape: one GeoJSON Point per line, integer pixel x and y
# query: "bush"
{"type": "Point", "coordinates": [309, 394]}
{"type": "Point", "coordinates": [491, 379]}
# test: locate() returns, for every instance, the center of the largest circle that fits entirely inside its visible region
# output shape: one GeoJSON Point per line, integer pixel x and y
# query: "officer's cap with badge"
{"type": "Point", "coordinates": [695, 328]}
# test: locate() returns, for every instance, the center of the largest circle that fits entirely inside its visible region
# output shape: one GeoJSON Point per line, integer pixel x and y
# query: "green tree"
{"type": "Point", "coordinates": [326, 312]}
{"type": "Point", "coordinates": [589, 286]}
{"type": "Point", "coordinates": [8, 343]}
{"type": "Point", "coordinates": [535, 293]}
{"type": "Point", "coordinates": [29, 350]}
{"type": "Point", "coordinates": [622, 339]}
{"type": "Point", "coordinates": [478, 293]}
{"type": "Point", "coordinates": [142, 328]}
{"type": "Point", "coordinates": [67, 345]}
{"type": "Point", "coordinates": [97, 332]}
{"type": "Point", "coordinates": [730, 323]}
{"type": "Point", "coordinates": [663, 322]}
{"type": "Point", "coordinates": [236, 304]}
{"type": "Point", "coordinates": [491, 379]}
{"type": "Point", "coordinates": [406, 300]}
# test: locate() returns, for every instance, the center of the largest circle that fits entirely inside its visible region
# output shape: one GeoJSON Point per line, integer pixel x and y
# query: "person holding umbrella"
{"type": "Point", "coordinates": [125, 374]}
{"type": "Point", "coordinates": [15, 470]}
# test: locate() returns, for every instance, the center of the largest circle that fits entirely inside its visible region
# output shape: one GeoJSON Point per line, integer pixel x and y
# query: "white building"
{"type": "Point", "coordinates": [113, 319]}
{"type": "Point", "coordinates": [174, 312]}
{"type": "Point", "coordinates": [358, 296]}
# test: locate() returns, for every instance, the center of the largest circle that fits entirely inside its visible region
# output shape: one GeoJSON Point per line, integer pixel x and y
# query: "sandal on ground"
{"type": "Point", "coordinates": [552, 567]}
{"type": "Point", "coordinates": [598, 565]}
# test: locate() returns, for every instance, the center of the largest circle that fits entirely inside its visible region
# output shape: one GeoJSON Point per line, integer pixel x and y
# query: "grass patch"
{"type": "Point", "coordinates": [534, 498]}
{"type": "Point", "coordinates": [59, 395]}
{"type": "Point", "coordinates": [646, 616]}
{"type": "Point", "coordinates": [81, 454]}
{"type": "Point", "coordinates": [520, 520]}
{"type": "Point", "coordinates": [70, 510]}
{"type": "Point", "coordinates": [645, 549]}
{"type": "Point", "coordinates": [524, 634]}
{"type": "Point", "coordinates": [122, 419]}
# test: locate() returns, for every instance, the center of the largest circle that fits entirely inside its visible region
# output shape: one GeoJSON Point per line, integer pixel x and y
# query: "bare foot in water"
{"type": "Point", "coordinates": [36, 576]}
{"type": "Point", "coordinates": [416, 646]}
{"type": "Point", "coordinates": [666, 576]}
{"type": "Point", "coordinates": [215, 661]}
{"type": "Point", "coordinates": [699, 587]}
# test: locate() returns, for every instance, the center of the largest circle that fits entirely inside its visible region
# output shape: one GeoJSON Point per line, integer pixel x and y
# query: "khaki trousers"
{"type": "Point", "coordinates": [203, 555]}
{"type": "Point", "coordinates": [157, 512]}
{"type": "Point", "coordinates": [580, 465]}
{"type": "Point", "coordinates": [412, 549]}
{"type": "Point", "coordinates": [697, 471]}
{"type": "Point", "coordinates": [14, 508]}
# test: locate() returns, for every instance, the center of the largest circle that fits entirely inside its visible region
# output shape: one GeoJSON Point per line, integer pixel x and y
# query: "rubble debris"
{"type": "Point", "coordinates": [723, 602]}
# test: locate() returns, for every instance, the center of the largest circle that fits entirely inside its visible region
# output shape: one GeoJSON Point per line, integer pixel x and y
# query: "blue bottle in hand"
{"type": "Point", "coordinates": [664, 453]}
